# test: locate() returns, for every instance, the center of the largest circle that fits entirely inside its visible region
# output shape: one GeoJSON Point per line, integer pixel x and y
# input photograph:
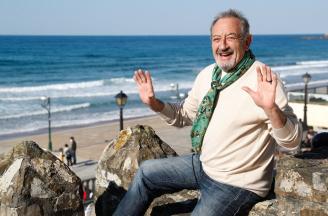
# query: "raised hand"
{"type": "Point", "coordinates": [145, 86]}
{"type": "Point", "coordinates": [265, 94]}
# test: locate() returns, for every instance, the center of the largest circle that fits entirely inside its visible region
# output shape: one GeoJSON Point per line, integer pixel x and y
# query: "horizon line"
{"type": "Point", "coordinates": [151, 35]}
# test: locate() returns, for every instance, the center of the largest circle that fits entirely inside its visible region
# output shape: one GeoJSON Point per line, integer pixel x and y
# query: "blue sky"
{"type": "Point", "coordinates": [151, 17]}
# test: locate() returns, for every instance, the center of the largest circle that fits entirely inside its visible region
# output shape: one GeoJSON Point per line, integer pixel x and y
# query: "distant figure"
{"type": "Point", "coordinates": [68, 155]}
{"type": "Point", "coordinates": [61, 154]}
{"type": "Point", "coordinates": [85, 194]}
{"type": "Point", "coordinates": [309, 136]}
{"type": "Point", "coordinates": [73, 149]}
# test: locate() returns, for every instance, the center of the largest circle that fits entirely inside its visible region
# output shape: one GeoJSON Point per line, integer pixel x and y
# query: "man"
{"type": "Point", "coordinates": [238, 111]}
{"type": "Point", "coordinates": [73, 149]}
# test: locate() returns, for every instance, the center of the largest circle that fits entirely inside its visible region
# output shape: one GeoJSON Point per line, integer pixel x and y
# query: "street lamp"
{"type": "Point", "coordinates": [175, 89]}
{"type": "Point", "coordinates": [45, 103]}
{"type": "Point", "coordinates": [306, 79]}
{"type": "Point", "coordinates": [121, 100]}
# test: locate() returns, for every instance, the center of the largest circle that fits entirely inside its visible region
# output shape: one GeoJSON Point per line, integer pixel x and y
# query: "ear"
{"type": "Point", "coordinates": [248, 42]}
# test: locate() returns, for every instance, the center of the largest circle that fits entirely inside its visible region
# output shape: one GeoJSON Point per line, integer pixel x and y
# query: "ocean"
{"type": "Point", "coordinates": [82, 74]}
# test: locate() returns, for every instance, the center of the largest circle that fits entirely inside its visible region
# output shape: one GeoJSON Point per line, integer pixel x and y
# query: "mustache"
{"type": "Point", "coordinates": [224, 51]}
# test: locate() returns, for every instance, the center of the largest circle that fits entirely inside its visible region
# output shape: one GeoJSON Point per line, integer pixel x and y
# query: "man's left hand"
{"type": "Point", "coordinates": [265, 95]}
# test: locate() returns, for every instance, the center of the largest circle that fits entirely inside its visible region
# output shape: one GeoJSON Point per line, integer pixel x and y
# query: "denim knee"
{"type": "Point", "coordinates": [146, 168]}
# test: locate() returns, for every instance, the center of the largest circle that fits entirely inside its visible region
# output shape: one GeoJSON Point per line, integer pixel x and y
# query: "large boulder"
{"type": "Point", "coordinates": [35, 182]}
{"type": "Point", "coordinates": [119, 163]}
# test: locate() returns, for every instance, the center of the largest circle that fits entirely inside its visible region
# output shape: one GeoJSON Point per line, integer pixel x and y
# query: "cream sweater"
{"type": "Point", "coordinates": [239, 143]}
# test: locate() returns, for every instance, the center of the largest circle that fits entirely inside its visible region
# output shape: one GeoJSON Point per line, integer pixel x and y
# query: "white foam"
{"type": "Point", "coordinates": [79, 120]}
{"type": "Point", "coordinates": [60, 87]}
{"type": "Point", "coordinates": [104, 91]}
{"type": "Point", "coordinates": [54, 110]}
{"type": "Point", "coordinates": [321, 62]}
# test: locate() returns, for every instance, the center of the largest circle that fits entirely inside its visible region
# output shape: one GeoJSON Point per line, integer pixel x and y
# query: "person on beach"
{"type": "Point", "coordinates": [68, 155]}
{"type": "Point", "coordinates": [73, 149]}
{"type": "Point", "coordinates": [239, 111]}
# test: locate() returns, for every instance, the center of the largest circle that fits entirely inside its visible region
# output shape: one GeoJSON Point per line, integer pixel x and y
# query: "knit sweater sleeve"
{"type": "Point", "coordinates": [183, 114]}
{"type": "Point", "coordinates": [290, 135]}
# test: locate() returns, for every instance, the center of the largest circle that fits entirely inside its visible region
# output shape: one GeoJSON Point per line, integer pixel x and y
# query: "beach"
{"type": "Point", "coordinates": [91, 140]}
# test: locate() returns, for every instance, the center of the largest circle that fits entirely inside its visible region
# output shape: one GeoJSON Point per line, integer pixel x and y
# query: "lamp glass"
{"type": "Point", "coordinates": [121, 99]}
{"type": "Point", "coordinates": [306, 78]}
{"type": "Point", "coordinates": [44, 101]}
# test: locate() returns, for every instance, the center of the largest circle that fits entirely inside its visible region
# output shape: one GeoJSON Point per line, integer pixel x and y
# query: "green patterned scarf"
{"type": "Point", "coordinates": [207, 106]}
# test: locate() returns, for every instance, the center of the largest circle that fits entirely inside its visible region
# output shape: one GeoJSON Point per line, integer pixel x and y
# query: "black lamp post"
{"type": "Point", "coordinates": [121, 100]}
{"type": "Point", "coordinates": [306, 79]}
{"type": "Point", "coordinates": [45, 103]}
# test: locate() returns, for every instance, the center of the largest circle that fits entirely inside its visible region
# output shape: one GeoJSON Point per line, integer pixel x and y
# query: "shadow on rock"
{"type": "Point", "coordinates": [109, 200]}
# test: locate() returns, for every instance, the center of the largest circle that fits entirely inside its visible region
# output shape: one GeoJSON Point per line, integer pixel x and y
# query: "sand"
{"type": "Point", "coordinates": [91, 140]}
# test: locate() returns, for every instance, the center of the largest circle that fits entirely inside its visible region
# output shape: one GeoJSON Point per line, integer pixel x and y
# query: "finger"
{"type": "Point", "coordinates": [141, 76]}
{"type": "Point", "coordinates": [148, 78]}
{"type": "Point", "coordinates": [264, 73]}
{"type": "Point", "coordinates": [137, 78]}
{"type": "Point", "coordinates": [249, 91]}
{"type": "Point", "coordinates": [268, 74]}
{"type": "Point", "coordinates": [274, 79]}
{"type": "Point", "coordinates": [259, 75]}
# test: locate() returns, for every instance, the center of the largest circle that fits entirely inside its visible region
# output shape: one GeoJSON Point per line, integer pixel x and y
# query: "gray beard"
{"type": "Point", "coordinates": [226, 67]}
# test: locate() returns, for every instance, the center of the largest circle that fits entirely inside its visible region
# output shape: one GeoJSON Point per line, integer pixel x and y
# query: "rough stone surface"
{"type": "Point", "coordinates": [35, 182]}
{"type": "Point", "coordinates": [302, 179]}
{"type": "Point", "coordinates": [174, 204]}
{"type": "Point", "coordinates": [265, 208]}
{"type": "Point", "coordinates": [301, 187]}
{"type": "Point", "coordinates": [119, 162]}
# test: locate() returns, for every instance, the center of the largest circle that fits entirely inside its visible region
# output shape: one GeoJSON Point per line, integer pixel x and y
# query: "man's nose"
{"type": "Point", "coordinates": [223, 44]}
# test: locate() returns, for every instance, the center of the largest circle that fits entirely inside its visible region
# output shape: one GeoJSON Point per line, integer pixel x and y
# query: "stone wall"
{"type": "Point", "coordinates": [301, 187]}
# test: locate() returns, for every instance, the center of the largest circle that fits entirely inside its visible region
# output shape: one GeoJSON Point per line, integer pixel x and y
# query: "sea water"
{"type": "Point", "coordinates": [82, 74]}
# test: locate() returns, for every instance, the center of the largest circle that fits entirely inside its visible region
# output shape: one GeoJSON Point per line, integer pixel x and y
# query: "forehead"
{"type": "Point", "coordinates": [227, 25]}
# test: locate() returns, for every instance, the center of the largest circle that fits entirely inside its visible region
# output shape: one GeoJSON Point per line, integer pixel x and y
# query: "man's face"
{"type": "Point", "coordinates": [228, 44]}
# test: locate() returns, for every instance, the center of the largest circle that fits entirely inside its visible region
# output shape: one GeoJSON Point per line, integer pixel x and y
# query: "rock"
{"type": "Point", "coordinates": [302, 186]}
{"type": "Point", "coordinates": [174, 204]}
{"type": "Point", "coordinates": [119, 162]}
{"type": "Point", "coordinates": [265, 208]}
{"type": "Point", "coordinates": [35, 182]}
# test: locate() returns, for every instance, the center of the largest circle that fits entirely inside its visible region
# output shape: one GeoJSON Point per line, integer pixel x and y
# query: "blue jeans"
{"type": "Point", "coordinates": [160, 176]}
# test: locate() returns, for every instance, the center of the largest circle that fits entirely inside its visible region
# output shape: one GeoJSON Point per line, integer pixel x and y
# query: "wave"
{"type": "Point", "coordinates": [42, 112]}
{"type": "Point", "coordinates": [312, 62]}
{"type": "Point", "coordinates": [66, 86]}
{"type": "Point", "coordinates": [120, 80]}
{"type": "Point", "coordinates": [312, 67]}
{"type": "Point", "coordinates": [91, 119]}
{"type": "Point", "coordinates": [93, 56]}
{"type": "Point", "coordinates": [301, 66]}
{"type": "Point", "coordinates": [109, 90]}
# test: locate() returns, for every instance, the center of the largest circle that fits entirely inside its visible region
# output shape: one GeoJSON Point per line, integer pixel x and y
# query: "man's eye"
{"type": "Point", "coordinates": [231, 38]}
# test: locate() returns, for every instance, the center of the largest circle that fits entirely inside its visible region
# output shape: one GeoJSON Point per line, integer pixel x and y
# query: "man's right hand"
{"type": "Point", "coordinates": [146, 90]}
